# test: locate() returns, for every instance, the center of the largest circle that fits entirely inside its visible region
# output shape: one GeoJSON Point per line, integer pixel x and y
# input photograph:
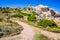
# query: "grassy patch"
{"type": "Point", "coordinates": [56, 30]}
{"type": "Point", "coordinates": [38, 37]}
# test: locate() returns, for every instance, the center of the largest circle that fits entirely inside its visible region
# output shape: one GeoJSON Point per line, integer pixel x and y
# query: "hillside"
{"type": "Point", "coordinates": [40, 16]}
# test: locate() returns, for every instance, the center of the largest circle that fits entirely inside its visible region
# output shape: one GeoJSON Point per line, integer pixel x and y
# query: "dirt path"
{"type": "Point", "coordinates": [27, 33]}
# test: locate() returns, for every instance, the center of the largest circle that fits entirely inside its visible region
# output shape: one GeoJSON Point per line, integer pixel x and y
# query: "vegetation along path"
{"type": "Point", "coordinates": [26, 34]}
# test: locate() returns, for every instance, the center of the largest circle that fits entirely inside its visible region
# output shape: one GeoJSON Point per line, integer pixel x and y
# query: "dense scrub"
{"type": "Point", "coordinates": [17, 15]}
{"type": "Point", "coordinates": [9, 29]}
{"type": "Point", "coordinates": [45, 23]}
{"type": "Point", "coordinates": [56, 30]}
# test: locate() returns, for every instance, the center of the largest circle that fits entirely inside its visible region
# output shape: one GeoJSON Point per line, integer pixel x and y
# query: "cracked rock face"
{"type": "Point", "coordinates": [54, 13]}
{"type": "Point", "coordinates": [46, 9]}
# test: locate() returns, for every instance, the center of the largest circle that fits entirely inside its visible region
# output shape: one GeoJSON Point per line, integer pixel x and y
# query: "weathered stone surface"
{"type": "Point", "coordinates": [46, 9]}
{"type": "Point", "coordinates": [54, 13]}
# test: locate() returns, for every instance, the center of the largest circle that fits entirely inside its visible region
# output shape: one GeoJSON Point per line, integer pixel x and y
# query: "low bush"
{"type": "Point", "coordinates": [25, 14]}
{"type": "Point", "coordinates": [1, 19]}
{"type": "Point", "coordinates": [56, 30]}
{"type": "Point", "coordinates": [10, 29]}
{"type": "Point", "coordinates": [41, 37]}
{"type": "Point", "coordinates": [32, 18]}
{"type": "Point", "coordinates": [45, 23]}
{"type": "Point", "coordinates": [17, 15]}
{"type": "Point", "coordinates": [6, 11]}
{"type": "Point", "coordinates": [1, 34]}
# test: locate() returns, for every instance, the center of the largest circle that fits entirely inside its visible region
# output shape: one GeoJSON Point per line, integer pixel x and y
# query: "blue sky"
{"type": "Point", "coordinates": [55, 4]}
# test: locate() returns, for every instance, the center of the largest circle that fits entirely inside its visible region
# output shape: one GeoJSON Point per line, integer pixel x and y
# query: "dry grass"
{"type": "Point", "coordinates": [10, 29]}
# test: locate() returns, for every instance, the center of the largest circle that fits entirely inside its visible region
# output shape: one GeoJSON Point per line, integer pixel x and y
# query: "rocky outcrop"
{"type": "Point", "coordinates": [46, 9]}
{"type": "Point", "coordinates": [53, 13]}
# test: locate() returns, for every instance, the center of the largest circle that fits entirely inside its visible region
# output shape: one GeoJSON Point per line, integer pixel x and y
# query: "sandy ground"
{"type": "Point", "coordinates": [27, 33]}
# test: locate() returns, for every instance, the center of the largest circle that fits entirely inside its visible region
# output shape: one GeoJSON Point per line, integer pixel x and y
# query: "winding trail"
{"type": "Point", "coordinates": [27, 33]}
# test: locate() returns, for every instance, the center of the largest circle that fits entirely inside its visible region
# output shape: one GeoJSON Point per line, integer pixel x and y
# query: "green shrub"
{"type": "Point", "coordinates": [32, 18]}
{"type": "Point", "coordinates": [34, 13]}
{"type": "Point", "coordinates": [46, 23]}
{"type": "Point", "coordinates": [41, 37]}
{"type": "Point", "coordinates": [17, 15]}
{"type": "Point", "coordinates": [1, 19]}
{"type": "Point", "coordinates": [56, 30]}
{"type": "Point", "coordinates": [38, 37]}
{"type": "Point", "coordinates": [1, 34]}
{"type": "Point", "coordinates": [25, 14]}
{"type": "Point", "coordinates": [20, 15]}
{"type": "Point", "coordinates": [6, 11]}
